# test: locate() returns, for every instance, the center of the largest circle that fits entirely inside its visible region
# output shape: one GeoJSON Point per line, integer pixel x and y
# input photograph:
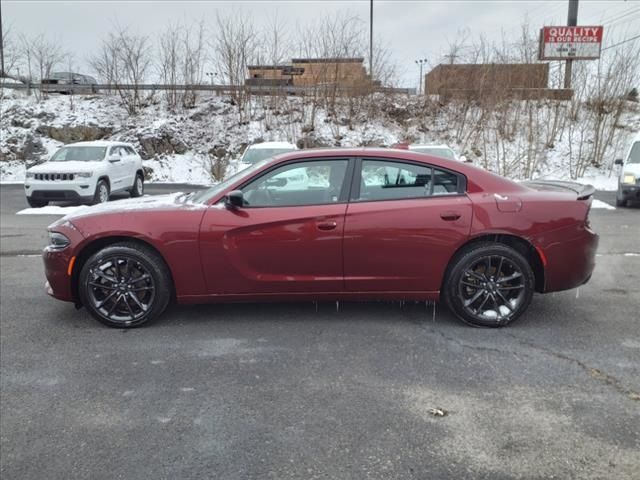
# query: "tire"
{"type": "Point", "coordinates": [620, 203]}
{"type": "Point", "coordinates": [489, 293]}
{"type": "Point", "coordinates": [138, 186]}
{"type": "Point", "coordinates": [34, 203]}
{"type": "Point", "coordinates": [133, 287]}
{"type": "Point", "coordinates": [100, 196]}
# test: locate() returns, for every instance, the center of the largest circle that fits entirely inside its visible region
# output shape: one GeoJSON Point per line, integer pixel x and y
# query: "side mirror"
{"type": "Point", "coordinates": [114, 158]}
{"type": "Point", "coordinates": [618, 161]}
{"type": "Point", "coordinates": [234, 199]}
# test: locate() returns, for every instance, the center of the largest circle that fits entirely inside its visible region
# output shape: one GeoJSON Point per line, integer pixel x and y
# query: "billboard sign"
{"type": "Point", "coordinates": [576, 43]}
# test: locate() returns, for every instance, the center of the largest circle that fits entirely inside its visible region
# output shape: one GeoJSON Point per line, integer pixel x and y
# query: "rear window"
{"type": "Point", "coordinates": [390, 180]}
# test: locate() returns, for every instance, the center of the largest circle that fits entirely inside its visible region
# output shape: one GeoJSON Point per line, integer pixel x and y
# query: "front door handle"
{"type": "Point", "coordinates": [450, 216]}
{"type": "Point", "coordinates": [327, 225]}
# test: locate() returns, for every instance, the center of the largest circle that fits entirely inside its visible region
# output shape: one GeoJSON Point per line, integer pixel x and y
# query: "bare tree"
{"type": "Point", "coordinates": [125, 59]}
{"type": "Point", "coordinates": [234, 43]}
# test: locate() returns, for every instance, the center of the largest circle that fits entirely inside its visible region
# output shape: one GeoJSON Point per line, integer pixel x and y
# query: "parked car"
{"type": "Point", "coordinates": [260, 151]}
{"type": "Point", "coordinates": [58, 82]}
{"type": "Point", "coordinates": [629, 181]}
{"type": "Point", "coordinates": [430, 149]}
{"type": "Point", "coordinates": [85, 172]}
{"type": "Point", "coordinates": [436, 229]}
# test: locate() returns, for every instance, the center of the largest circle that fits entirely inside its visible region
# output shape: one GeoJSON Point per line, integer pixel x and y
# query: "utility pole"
{"type": "Point", "coordinates": [420, 62]}
{"type": "Point", "coordinates": [1, 45]}
{"type": "Point", "coordinates": [371, 40]}
{"type": "Point", "coordinates": [572, 21]}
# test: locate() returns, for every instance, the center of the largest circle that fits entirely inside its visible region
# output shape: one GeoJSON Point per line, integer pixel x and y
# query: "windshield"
{"type": "Point", "coordinates": [204, 196]}
{"type": "Point", "coordinates": [634, 154]}
{"type": "Point", "coordinates": [253, 155]}
{"type": "Point", "coordinates": [79, 154]}
{"type": "Point", "coordinates": [439, 152]}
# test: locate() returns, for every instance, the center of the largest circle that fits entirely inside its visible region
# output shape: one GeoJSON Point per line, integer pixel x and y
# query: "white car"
{"type": "Point", "coordinates": [294, 179]}
{"type": "Point", "coordinates": [437, 150]}
{"type": "Point", "coordinates": [86, 172]}
{"type": "Point", "coordinates": [629, 182]}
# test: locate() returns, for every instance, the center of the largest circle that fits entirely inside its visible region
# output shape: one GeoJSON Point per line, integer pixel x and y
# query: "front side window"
{"type": "Point", "coordinates": [388, 180]}
{"type": "Point", "coordinates": [314, 182]}
{"type": "Point", "coordinates": [80, 154]}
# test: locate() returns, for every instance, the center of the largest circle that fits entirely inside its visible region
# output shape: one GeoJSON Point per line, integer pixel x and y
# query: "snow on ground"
{"type": "Point", "coordinates": [214, 125]}
{"type": "Point", "coordinates": [51, 210]}
{"type": "Point", "coordinates": [600, 204]}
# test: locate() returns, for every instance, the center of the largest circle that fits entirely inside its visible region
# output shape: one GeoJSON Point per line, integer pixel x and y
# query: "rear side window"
{"type": "Point", "coordinates": [130, 150]}
{"type": "Point", "coordinates": [390, 180]}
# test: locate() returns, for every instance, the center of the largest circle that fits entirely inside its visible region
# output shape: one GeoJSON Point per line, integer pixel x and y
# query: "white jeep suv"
{"type": "Point", "coordinates": [85, 172]}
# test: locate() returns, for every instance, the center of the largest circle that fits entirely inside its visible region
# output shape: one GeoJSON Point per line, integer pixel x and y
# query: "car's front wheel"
{"type": "Point", "coordinates": [101, 194]}
{"type": "Point", "coordinates": [125, 285]}
{"type": "Point", "coordinates": [489, 285]}
{"type": "Point", "coordinates": [34, 203]}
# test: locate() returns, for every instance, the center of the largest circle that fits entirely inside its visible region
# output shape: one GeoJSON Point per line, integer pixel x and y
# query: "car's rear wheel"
{"type": "Point", "coordinates": [489, 285]}
{"type": "Point", "coordinates": [125, 285]}
{"type": "Point", "coordinates": [35, 203]}
{"type": "Point", "coordinates": [621, 202]}
{"type": "Point", "coordinates": [101, 194]}
{"type": "Point", "coordinates": [138, 186]}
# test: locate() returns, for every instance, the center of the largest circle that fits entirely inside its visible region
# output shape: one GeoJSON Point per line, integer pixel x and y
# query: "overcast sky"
{"type": "Point", "coordinates": [411, 29]}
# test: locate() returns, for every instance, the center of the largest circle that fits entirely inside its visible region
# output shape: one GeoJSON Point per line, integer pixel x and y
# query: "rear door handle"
{"type": "Point", "coordinates": [327, 225]}
{"type": "Point", "coordinates": [450, 216]}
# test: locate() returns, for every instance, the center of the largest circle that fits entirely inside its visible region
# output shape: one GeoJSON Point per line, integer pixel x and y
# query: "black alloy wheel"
{"type": "Point", "coordinates": [490, 285]}
{"type": "Point", "coordinates": [125, 285]}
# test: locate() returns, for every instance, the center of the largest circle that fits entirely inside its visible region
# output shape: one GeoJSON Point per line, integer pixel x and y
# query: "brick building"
{"type": "Point", "coordinates": [307, 72]}
{"type": "Point", "coordinates": [476, 80]}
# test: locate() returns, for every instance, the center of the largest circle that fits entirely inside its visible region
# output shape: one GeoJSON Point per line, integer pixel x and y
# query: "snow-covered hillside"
{"type": "Point", "coordinates": [201, 144]}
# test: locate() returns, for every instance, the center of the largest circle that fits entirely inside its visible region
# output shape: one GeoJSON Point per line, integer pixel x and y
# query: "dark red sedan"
{"type": "Point", "coordinates": [335, 224]}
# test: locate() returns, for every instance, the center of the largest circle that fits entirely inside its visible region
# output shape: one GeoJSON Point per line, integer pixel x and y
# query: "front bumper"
{"type": "Point", "coordinates": [629, 192]}
{"type": "Point", "coordinates": [60, 267]}
{"type": "Point", "coordinates": [59, 190]}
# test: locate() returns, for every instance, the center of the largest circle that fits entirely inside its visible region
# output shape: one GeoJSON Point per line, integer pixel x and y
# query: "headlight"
{"type": "Point", "coordinates": [58, 241]}
{"type": "Point", "coordinates": [83, 174]}
{"type": "Point", "coordinates": [629, 178]}
{"type": "Point", "coordinates": [30, 174]}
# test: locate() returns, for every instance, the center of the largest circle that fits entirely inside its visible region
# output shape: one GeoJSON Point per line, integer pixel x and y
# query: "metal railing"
{"type": "Point", "coordinates": [219, 89]}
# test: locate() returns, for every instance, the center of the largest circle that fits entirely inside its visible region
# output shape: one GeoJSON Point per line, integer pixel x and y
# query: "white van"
{"type": "Point", "coordinates": [629, 182]}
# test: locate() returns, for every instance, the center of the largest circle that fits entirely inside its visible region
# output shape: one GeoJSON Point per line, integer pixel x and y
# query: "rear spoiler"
{"type": "Point", "coordinates": [583, 191]}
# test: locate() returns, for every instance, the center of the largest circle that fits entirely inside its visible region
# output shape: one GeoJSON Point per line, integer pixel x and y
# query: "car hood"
{"type": "Point", "coordinates": [173, 201]}
{"type": "Point", "coordinates": [633, 168]}
{"type": "Point", "coordinates": [71, 166]}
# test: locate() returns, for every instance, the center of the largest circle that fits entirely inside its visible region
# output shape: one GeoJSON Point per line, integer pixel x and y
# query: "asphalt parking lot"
{"type": "Point", "coordinates": [285, 391]}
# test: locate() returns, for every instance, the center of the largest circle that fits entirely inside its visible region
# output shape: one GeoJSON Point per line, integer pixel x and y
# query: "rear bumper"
{"type": "Point", "coordinates": [570, 257]}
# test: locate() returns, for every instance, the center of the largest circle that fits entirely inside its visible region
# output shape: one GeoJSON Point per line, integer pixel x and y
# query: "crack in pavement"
{"type": "Point", "coordinates": [593, 372]}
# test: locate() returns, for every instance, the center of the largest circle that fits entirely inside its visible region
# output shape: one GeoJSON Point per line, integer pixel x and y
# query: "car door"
{"type": "Point", "coordinates": [403, 223]}
{"type": "Point", "coordinates": [131, 166]}
{"type": "Point", "coordinates": [117, 167]}
{"type": "Point", "coordinates": [283, 240]}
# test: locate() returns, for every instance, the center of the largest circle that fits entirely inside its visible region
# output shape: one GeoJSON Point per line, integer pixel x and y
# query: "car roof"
{"type": "Point", "coordinates": [383, 153]}
{"type": "Point", "coordinates": [267, 145]}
